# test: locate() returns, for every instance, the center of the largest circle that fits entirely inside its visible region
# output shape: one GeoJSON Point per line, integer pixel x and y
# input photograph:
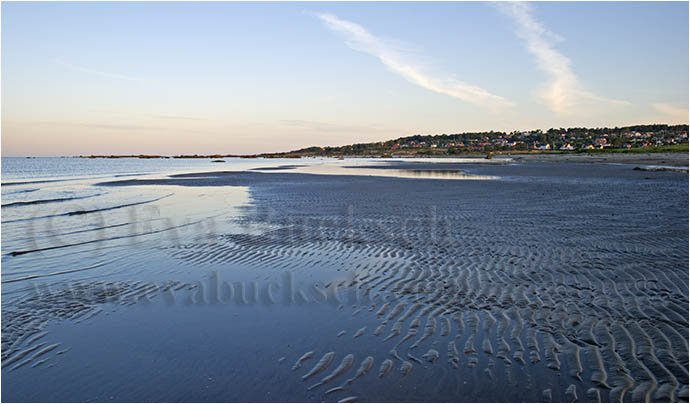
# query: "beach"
{"type": "Point", "coordinates": [659, 159]}
{"type": "Point", "coordinates": [533, 278]}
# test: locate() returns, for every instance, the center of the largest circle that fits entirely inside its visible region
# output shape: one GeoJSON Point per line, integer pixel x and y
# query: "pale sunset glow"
{"type": "Point", "coordinates": [241, 78]}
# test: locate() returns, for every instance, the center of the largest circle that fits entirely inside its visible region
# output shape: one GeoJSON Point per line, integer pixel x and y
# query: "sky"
{"type": "Point", "coordinates": [241, 78]}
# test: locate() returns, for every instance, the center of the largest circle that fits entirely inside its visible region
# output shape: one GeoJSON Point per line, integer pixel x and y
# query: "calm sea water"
{"type": "Point", "coordinates": [56, 216]}
{"type": "Point", "coordinates": [15, 168]}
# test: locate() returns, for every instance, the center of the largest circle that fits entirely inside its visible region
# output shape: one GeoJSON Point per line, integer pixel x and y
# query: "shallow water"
{"type": "Point", "coordinates": [380, 169]}
{"type": "Point", "coordinates": [548, 282]}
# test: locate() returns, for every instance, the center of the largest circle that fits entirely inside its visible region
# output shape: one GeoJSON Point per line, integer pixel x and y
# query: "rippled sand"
{"type": "Point", "coordinates": [544, 282]}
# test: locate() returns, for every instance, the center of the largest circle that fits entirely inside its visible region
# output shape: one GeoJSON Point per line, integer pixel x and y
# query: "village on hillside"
{"type": "Point", "coordinates": [641, 138]}
{"type": "Point", "coordinates": [572, 139]}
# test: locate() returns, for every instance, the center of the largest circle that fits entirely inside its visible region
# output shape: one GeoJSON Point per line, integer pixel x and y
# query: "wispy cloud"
{"type": "Point", "coordinates": [100, 125]}
{"type": "Point", "coordinates": [671, 113]}
{"type": "Point", "coordinates": [125, 127]}
{"type": "Point", "coordinates": [178, 117]}
{"type": "Point", "coordinates": [563, 94]}
{"type": "Point", "coordinates": [150, 115]}
{"type": "Point", "coordinates": [358, 38]}
{"type": "Point", "coordinates": [96, 72]}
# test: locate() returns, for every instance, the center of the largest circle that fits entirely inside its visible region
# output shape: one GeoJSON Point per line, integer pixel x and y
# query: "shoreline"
{"type": "Point", "coordinates": [662, 158]}
{"type": "Point", "coordinates": [675, 158]}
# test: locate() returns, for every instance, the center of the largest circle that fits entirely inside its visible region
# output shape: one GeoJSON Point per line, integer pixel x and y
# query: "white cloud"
{"type": "Point", "coordinates": [671, 114]}
{"type": "Point", "coordinates": [392, 57]}
{"type": "Point", "coordinates": [563, 94]}
{"type": "Point", "coordinates": [96, 72]}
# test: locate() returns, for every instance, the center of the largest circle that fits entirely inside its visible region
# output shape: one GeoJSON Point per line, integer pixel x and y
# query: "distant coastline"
{"type": "Point", "coordinates": [658, 138]}
{"type": "Point", "coordinates": [682, 148]}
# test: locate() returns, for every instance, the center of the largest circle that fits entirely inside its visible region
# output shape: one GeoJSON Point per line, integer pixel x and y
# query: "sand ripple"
{"type": "Point", "coordinates": [577, 280]}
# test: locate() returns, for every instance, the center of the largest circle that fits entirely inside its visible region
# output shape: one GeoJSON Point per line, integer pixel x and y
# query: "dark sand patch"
{"type": "Point", "coordinates": [670, 159]}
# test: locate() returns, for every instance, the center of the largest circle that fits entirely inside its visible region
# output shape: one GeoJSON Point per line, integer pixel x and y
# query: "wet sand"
{"type": "Point", "coordinates": [660, 159]}
{"type": "Point", "coordinates": [550, 282]}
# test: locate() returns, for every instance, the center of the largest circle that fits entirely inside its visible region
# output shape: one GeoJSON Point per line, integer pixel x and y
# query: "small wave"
{"type": "Point", "coordinates": [130, 175]}
{"type": "Point", "coordinates": [84, 212]}
{"type": "Point", "coordinates": [25, 278]}
{"type": "Point", "coordinates": [22, 252]}
{"type": "Point", "coordinates": [662, 168]}
{"type": "Point", "coordinates": [22, 191]}
{"type": "Point", "coordinates": [113, 226]}
{"type": "Point", "coordinates": [42, 201]}
{"type": "Point", "coordinates": [9, 184]}
{"type": "Point", "coordinates": [66, 179]}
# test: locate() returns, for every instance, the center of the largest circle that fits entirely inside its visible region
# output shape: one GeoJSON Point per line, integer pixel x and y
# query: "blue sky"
{"type": "Point", "coordinates": [97, 78]}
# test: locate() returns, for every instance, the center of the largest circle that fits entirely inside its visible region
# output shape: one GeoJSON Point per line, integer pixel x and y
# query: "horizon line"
{"type": "Point", "coordinates": [245, 155]}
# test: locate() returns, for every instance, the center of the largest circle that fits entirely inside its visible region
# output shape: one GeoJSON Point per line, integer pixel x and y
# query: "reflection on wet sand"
{"type": "Point", "coordinates": [347, 168]}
